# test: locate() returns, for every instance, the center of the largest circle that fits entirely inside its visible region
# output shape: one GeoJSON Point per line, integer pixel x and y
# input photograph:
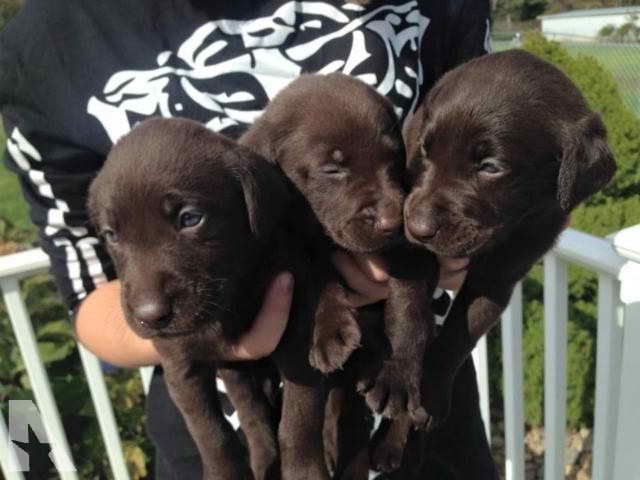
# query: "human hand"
{"type": "Point", "coordinates": [453, 271]}
{"type": "Point", "coordinates": [365, 274]}
{"type": "Point", "coordinates": [269, 325]}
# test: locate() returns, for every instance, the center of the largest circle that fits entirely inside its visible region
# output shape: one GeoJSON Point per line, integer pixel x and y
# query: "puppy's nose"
{"type": "Point", "coordinates": [152, 314]}
{"type": "Point", "coordinates": [422, 229]}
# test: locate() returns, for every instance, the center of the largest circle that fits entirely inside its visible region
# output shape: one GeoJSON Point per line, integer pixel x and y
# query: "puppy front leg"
{"type": "Point", "coordinates": [330, 430]}
{"type": "Point", "coordinates": [192, 387]}
{"type": "Point", "coordinates": [409, 326]}
{"type": "Point", "coordinates": [300, 432]}
{"type": "Point", "coordinates": [396, 389]}
{"type": "Point", "coordinates": [256, 419]}
{"type": "Point", "coordinates": [336, 333]}
{"type": "Point", "coordinates": [461, 443]}
{"type": "Point", "coordinates": [476, 309]}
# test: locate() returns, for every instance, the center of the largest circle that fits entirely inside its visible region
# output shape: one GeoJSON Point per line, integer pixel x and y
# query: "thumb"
{"type": "Point", "coordinates": [268, 327]}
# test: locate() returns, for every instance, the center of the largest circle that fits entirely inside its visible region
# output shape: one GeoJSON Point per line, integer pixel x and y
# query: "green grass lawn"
{"type": "Point", "coordinates": [622, 60]}
{"type": "Point", "coordinates": [12, 206]}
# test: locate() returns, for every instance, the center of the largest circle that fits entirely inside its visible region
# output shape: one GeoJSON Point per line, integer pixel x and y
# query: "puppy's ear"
{"type": "Point", "coordinates": [261, 139]}
{"type": "Point", "coordinates": [587, 163]}
{"type": "Point", "coordinates": [93, 203]}
{"type": "Point", "coordinates": [265, 193]}
{"type": "Point", "coordinates": [413, 130]}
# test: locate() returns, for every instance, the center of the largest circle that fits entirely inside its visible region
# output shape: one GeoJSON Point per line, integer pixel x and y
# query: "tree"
{"type": "Point", "coordinates": [520, 9]}
{"type": "Point", "coordinates": [528, 9]}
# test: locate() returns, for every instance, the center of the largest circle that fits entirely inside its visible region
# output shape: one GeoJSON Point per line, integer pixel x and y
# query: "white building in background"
{"type": "Point", "coordinates": [584, 25]}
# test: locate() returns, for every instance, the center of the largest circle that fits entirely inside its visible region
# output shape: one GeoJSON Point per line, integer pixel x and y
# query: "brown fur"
{"type": "Point", "coordinates": [339, 143]}
{"type": "Point", "coordinates": [499, 153]}
{"type": "Point", "coordinates": [195, 225]}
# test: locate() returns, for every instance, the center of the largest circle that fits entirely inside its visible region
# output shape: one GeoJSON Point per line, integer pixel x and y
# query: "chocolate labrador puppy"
{"type": "Point", "coordinates": [339, 142]}
{"type": "Point", "coordinates": [501, 151]}
{"type": "Point", "coordinates": [196, 227]}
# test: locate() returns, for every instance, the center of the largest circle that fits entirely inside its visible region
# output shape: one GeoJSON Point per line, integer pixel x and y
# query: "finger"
{"type": "Point", "coordinates": [263, 337]}
{"type": "Point", "coordinates": [452, 281]}
{"type": "Point", "coordinates": [453, 272]}
{"type": "Point", "coordinates": [451, 264]}
{"type": "Point", "coordinates": [366, 290]}
{"type": "Point", "coordinates": [372, 266]}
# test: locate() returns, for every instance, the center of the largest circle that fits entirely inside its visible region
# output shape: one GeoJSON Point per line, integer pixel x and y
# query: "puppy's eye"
{"type": "Point", "coordinates": [491, 167]}
{"type": "Point", "coordinates": [190, 219]}
{"type": "Point", "coordinates": [109, 235]}
{"type": "Point", "coordinates": [332, 170]}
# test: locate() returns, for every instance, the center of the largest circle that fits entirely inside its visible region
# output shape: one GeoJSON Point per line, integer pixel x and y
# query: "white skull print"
{"type": "Point", "coordinates": [230, 69]}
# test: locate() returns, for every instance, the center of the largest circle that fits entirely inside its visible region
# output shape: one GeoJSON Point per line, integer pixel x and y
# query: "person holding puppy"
{"type": "Point", "coordinates": [77, 75]}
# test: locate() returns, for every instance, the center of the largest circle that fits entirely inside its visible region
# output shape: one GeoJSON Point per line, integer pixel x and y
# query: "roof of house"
{"type": "Point", "coordinates": [591, 12]}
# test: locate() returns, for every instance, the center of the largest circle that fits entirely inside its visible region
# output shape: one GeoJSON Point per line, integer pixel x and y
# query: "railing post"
{"type": "Point", "coordinates": [40, 382]}
{"type": "Point", "coordinates": [481, 362]}
{"type": "Point", "coordinates": [9, 465]}
{"type": "Point", "coordinates": [513, 391]}
{"type": "Point", "coordinates": [627, 447]}
{"type": "Point", "coordinates": [555, 365]}
{"type": "Point", "coordinates": [104, 412]}
{"type": "Point", "coordinates": [609, 357]}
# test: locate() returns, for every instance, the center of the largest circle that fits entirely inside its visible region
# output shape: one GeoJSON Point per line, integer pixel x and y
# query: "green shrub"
{"type": "Point", "coordinates": [581, 346]}
{"type": "Point", "coordinates": [617, 207]}
{"type": "Point", "coordinates": [607, 30]}
{"type": "Point", "coordinates": [527, 9]}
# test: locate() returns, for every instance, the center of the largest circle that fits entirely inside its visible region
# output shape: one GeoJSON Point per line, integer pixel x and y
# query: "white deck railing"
{"type": "Point", "coordinates": [617, 411]}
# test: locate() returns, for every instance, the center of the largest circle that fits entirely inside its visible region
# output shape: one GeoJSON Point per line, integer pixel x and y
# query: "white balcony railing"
{"type": "Point", "coordinates": [617, 410]}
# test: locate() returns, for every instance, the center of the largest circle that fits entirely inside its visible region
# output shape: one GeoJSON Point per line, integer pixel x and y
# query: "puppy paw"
{"type": "Point", "coordinates": [388, 451]}
{"type": "Point", "coordinates": [358, 468]}
{"type": "Point", "coordinates": [334, 339]}
{"type": "Point", "coordinates": [394, 392]}
{"type": "Point", "coordinates": [386, 458]}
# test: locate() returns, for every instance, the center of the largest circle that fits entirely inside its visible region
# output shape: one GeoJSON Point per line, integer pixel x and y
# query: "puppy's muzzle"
{"type": "Point", "coordinates": [385, 218]}
{"type": "Point", "coordinates": [152, 313]}
{"type": "Point", "coordinates": [421, 229]}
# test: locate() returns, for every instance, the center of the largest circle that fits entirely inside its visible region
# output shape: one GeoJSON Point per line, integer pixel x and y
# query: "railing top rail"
{"type": "Point", "coordinates": [23, 263]}
{"type": "Point", "coordinates": [627, 243]}
{"type": "Point", "coordinates": [604, 255]}
{"type": "Point", "coordinates": [589, 251]}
